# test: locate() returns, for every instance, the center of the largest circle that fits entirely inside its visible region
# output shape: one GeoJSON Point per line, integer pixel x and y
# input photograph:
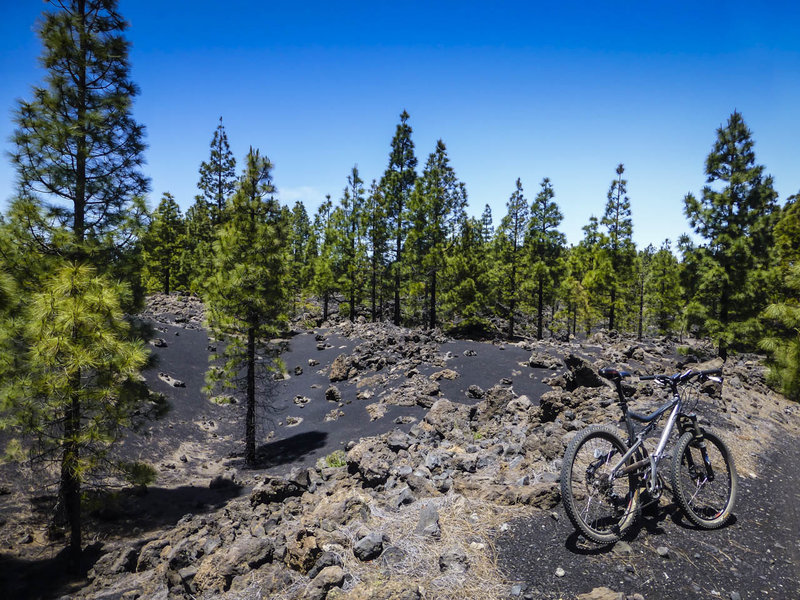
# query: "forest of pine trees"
{"type": "Point", "coordinates": [405, 249]}
{"type": "Point", "coordinates": [78, 249]}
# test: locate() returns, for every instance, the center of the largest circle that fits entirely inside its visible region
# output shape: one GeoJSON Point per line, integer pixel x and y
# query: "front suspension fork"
{"type": "Point", "coordinates": [689, 423]}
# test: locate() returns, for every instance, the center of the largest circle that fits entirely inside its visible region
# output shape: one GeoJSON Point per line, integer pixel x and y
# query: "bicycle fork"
{"type": "Point", "coordinates": [689, 423]}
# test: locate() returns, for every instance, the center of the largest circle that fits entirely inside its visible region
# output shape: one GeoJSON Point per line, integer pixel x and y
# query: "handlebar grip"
{"type": "Point", "coordinates": [717, 371]}
{"type": "Point", "coordinates": [646, 377]}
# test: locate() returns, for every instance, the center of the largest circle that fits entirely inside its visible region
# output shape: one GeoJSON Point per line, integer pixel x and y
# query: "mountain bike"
{"type": "Point", "coordinates": [605, 481]}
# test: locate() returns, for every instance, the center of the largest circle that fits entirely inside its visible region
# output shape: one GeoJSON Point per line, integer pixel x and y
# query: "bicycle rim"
{"type": "Point", "coordinates": [707, 496]}
{"type": "Point", "coordinates": [600, 507]}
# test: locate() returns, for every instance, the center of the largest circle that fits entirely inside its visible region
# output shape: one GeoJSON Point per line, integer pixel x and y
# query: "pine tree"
{"type": "Point", "coordinates": [544, 242]}
{"type": "Point", "coordinates": [437, 208]}
{"type": "Point", "coordinates": [593, 263]}
{"type": "Point", "coordinates": [576, 263]}
{"type": "Point", "coordinates": [196, 256]}
{"type": "Point", "coordinates": [735, 215]}
{"type": "Point", "coordinates": [77, 154]}
{"type": "Point", "coordinates": [511, 239]}
{"type": "Point", "coordinates": [218, 175]}
{"type": "Point", "coordinates": [784, 343]}
{"type": "Point", "coordinates": [350, 222]}
{"type": "Point", "coordinates": [397, 185]}
{"type": "Point", "coordinates": [162, 243]}
{"type": "Point", "coordinates": [378, 242]}
{"type": "Point", "coordinates": [787, 235]}
{"type": "Point", "coordinates": [77, 148]}
{"type": "Point", "coordinates": [324, 277]}
{"type": "Point", "coordinates": [299, 240]}
{"type": "Point", "coordinates": [246, 296]}
{"type": "Point", "coordinates": [487, 224]}
{"type": "Point", "coordinates": [618, 242]}
{"type": "Point", "coordinates": [643, 266]}
{"type": "Point", "coordinates": [663, 289]}
{"type": "Point", "coordinates": [466, 298]}
{"type": "Point", "coordinates": [81, 385]}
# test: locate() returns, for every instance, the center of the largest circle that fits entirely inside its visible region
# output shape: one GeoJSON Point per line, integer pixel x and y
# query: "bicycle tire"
{"type": "Point", "coordinates": [708, 503]}
{"type": "Point", "coordinates": [600, 509]}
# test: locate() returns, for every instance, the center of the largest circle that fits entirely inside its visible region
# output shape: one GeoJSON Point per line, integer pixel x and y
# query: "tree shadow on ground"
{"type": "Point", "coordinates": [160, 507]}
{"type": "Point", "coordinates": [50, 577]}
{"type": "Point", "coordinates": [290, 449]}
{"type": "Point", "coordinates": [128, 513]}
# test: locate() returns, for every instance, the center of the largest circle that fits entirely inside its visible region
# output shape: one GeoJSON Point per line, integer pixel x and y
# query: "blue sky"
{"type": "Point", "coordinates": [515, 89]}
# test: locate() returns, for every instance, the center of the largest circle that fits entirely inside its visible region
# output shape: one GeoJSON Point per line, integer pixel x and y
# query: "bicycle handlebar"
{"type": "Point", "coordinates": [677, 378]}
{"type": "Point", "coordinates": [683, 377]}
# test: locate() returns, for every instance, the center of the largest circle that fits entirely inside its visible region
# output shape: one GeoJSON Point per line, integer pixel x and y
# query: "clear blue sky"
{"type": "Point", "coordinates": [565, 90]}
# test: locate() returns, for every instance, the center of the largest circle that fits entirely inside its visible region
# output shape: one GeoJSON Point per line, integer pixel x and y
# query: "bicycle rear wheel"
{"type": "Point", "coordinates": [600, 507]}
{"type": "Point", "coordinates": [704, 479]}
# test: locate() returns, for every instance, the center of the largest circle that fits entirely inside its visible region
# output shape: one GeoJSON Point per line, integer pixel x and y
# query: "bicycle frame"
{"type": "Point", "coordinates": [636, 441]}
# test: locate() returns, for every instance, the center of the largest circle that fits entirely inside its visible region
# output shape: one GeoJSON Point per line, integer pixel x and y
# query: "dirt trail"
{"type": "Point", "coordinates": [757, 555]}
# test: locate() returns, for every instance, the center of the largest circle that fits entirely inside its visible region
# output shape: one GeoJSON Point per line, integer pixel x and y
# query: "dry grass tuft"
{"type": "Point", "coordinates": [466, 524]}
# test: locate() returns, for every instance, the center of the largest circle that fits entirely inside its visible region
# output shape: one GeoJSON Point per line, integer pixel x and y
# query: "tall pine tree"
{"type": "Point", "coordinates": [378, 242]}
{"type": "Point", "coordinates": [246, 296]}
{"type": "Point", "coordinates": [78, 153]}
{"type": "Point", "coordinates": [618, 243]}
{"type": "Point", "coordinates": [735, 215]}
{"type": "Point", "coordinates": [78, 150]}
{"type": "Point", "coordinates": [397, 184]}
{"type": "Point", "coordinates": [324, 277]}
{"type": "Point", "coordinates": [350, 220]}
{"type": "Point", "coordinates": [218, 175]}
{"type": "Point", "coordinates": [544, 243]}
{"type": "Point", "coordinates": [511, 241]}
{"type": "Point", "coordinates": [437, 208]}
{"type": "Point", "coordinates": [162, 244]}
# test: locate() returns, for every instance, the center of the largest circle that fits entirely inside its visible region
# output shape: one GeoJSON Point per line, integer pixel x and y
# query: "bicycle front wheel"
{"type": "Point", "coordinates": [704, 479]}
{"type": "Point", "coordinates": [601, 507]}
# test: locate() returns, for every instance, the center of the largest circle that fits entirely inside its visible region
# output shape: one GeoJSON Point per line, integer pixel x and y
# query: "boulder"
{"type": "Point", "coordinates": [340, 368]}
{"type": "Point", "coordinates": [369, 547]}
{"type": "Point", "coordinates": [448, 374]}
{"type": "Point", "coordinates": [580, 374]}
{"type": "Point", "coordinates": [444, 415]}
{"type": "Point", "coordinates": [327, 579]}
{"type": "Point", "coordinates": [217, 570]}
{"type": "Point", "coordinates": [170, 380]}
{"type": "Point", "coordinates": [542, 360]}
{"type": "Point", "coordinates": [453, 561]}
{"type": "Point", "coordinates": [332, 394]}
{"type": "Point", "coordinates": [277, 489]}
{"type": "Point", "coordinates": [428, 524]}
{"type": "Point", "coordinates": [371, 461]}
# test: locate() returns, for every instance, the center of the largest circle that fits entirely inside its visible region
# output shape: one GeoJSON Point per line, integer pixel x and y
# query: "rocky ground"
{"type": "Point", "coordinates": [398, 464]}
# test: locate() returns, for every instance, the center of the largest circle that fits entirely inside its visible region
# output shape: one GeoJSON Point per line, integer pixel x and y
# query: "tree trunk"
{"type": "Point", "coordinates": [723, 317]}
{"type": "Point", "coordinates": [353, 299]}
{"type": "Point", "coordinates": [540, 308]}
{"type": "Point", "coordinates": [250, 420]}
{"type": "Point", "coordinates": [70, 485]}
{"type": "Point", "coordinates": [373, 288]}
{"type": "Point", "coordinates": [611, 322]}
{"type": "Point", "coordinates": [432, 322]}
{"type": "Point", "coordinates": [325, 306]}
{"type": "Point", "coordinates": [166, 282]}
{"type": "Point", "coordinates": [513, 302]}
{"type": "Point", "coordinates": [396, 319]}
{"type": "Point", "coordinates": [641, 310]}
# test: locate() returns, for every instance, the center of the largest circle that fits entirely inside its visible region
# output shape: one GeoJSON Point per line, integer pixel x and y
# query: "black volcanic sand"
{"type": "Point", "coordinates": [202, 431]}
{"type": "Point", "coordinates": [757, 554]}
